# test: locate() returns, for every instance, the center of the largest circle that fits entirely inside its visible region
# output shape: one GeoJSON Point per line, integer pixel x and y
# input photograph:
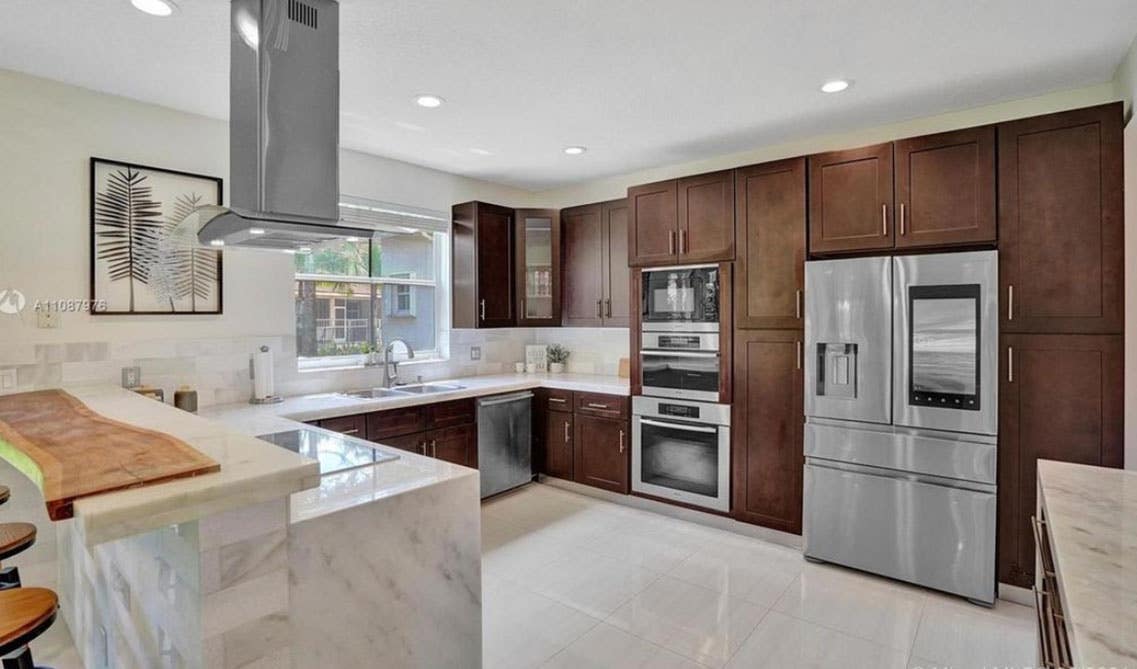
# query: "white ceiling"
{"type": "Point", "coordinates": [641, 83]}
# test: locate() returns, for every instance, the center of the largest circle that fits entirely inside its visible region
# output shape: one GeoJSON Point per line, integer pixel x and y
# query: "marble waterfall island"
{"type": "Point", "coordinates": [266, 561]}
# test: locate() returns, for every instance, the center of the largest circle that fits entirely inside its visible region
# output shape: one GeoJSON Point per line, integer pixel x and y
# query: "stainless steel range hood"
{"type": "Point", "coordinates": [283, 128]}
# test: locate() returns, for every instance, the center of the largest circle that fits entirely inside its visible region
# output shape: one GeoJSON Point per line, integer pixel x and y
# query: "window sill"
{"type": "Point", "coordinates": [345, 366]}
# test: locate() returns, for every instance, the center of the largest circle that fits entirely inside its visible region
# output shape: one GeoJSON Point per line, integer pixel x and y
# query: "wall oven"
{"type": "Point", "coordinates": [683, 365]}
{"type": "Point", "coordinates": [681, 451]}
{"type": "Point", "coordinates": [681, 298]}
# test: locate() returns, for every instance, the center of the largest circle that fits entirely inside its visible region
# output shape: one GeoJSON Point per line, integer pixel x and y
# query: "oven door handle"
{"type": "Point", "coordinates": [681, 354]}
{"type": "Point", "coordinates": [679, 426]}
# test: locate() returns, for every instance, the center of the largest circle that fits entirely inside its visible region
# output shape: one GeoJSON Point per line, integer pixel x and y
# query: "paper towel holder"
{"type": "Point", "coordinates": [269, 399]}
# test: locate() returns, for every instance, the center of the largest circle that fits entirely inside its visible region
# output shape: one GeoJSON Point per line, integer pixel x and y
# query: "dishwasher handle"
{"type": "Point", "coordinates": [504, 399]}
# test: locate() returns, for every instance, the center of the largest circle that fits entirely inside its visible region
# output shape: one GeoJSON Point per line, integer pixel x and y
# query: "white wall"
{"type": "Point", "coordinates": [1125, 81]}
{"type": "Point", "coordinates": [616, 187]}
{"type": "Point", "coordinates": [1131, 295]}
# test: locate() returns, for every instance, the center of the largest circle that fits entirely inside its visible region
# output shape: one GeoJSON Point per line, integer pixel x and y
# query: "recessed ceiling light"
{"type": "Point", "coordinates": [429, 101]}
{"type": "Point", "coordinates": [575, 150]}
{"type": "Point", "coordinates": [155, 7]}
{"type": "Point", "coordinates": [217, 242]}
{"type": "Point", "coordinates": [835, 86]}
{"type": "Point", "coordinates": [481, 152]}
{"type": "Point", "coordinates": [256, 231]}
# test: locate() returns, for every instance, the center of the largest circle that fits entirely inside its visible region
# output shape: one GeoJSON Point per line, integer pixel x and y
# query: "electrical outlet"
{"type": "Point", "coordinates": [131, 377]}
{"type": "Point", "coordinates": [8, 378]}
{"type": "Point", "coordinates": [47, 318]}
{"type": "Point", "coordinates": [475, 352]}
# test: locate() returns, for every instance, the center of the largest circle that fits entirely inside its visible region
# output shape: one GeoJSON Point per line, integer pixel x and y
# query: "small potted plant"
{"type": "Point", "coordinates": [558, 355]}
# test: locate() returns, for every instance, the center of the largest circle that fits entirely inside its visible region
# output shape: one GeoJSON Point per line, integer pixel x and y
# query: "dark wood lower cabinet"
{"type": "Point", "coordinates": [1060, 398]}
{"type": "Point", "coordinates": [767, 429]}
{"type": "Point", "coordinates": [602, 453]}
{"type": "Point", "coordinates": [415, 443]}
{"type": "Point", "coordinates": [558, 444]}
{"type": "Point", "coordinates": [454, 444]}
{"type": "Point", "coordinates": [354, 426]}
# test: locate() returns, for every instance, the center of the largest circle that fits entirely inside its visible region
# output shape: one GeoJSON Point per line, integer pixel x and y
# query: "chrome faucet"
{"type": "Point", "coordinates": [390, 379]}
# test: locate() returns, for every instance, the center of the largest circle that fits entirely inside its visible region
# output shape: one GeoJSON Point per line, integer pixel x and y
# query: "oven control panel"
{"type": "Point", "coordinates": [678, 410]}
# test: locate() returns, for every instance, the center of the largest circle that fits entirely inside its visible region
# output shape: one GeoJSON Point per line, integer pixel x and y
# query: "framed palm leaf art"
{"type": "Point", "coordinates": [144, 258]}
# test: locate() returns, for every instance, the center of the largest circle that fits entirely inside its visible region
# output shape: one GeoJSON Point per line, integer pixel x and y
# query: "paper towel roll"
{"type": "Point", "coordinates": [262, 374]}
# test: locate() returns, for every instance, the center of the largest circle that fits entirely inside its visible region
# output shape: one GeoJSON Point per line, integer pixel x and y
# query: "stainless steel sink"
{"type": "Point", "coordinates": [373, 393]}
{"type": "Point", "coordinates": [425, 388]}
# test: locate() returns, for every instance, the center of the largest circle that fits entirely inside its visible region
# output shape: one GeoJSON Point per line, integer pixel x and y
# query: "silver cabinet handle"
{"type": "Point", "coordinates": [671, 242]}
{"type": "Point", "coordinates": [621, 441]}
{"type": "Point", "coordinates": [559, 400]}
{"type": "Point", "coordinates": [422, 447]}
{"type": "Point", "coordinates": [682, 241]}
{"type": "Point", "coordinates": [797, 302]}
{"type": "Point", "coordinates": [433, 448]}
{"type": "Point", "coordinates": [884, 219]}
{"type": "Point", "coordinates": [483, 307]}
{"type": "Point", "coordinates": [902, 218]}
{"type": "Point", "coordinates": [596, 405]}
{"type": "Point", "coordinates": [1010, 364]}
{"type": "Point", "coordinates": [566, 432]}
{"type": "Point", "coordinates": [1011, 302]}
{"type": "Point", "coordinates": [609, 301]}
{"type": "Point", "coordinates": [679, 426]}
{"type": "Point", "coordinates": [799, 354]}
{"type": "Point", "coordinates": [353, 430]}
{"type": "Point", "coordinates": [600, 308]}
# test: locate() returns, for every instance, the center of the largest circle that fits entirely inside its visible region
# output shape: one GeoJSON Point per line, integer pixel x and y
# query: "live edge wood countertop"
{"type": "Point", "coordinates": [123, 464]}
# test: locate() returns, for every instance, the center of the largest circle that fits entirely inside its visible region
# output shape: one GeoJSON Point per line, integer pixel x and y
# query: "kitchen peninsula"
{"type": "Point", "coordinates": [217, 571]}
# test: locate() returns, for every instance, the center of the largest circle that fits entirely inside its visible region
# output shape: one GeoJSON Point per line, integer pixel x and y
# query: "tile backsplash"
{"type": "Point", "coordinates": [219, 367]}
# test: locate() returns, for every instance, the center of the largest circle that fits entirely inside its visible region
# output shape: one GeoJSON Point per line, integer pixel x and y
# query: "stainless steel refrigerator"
{"type": "Point", "coordinates": [902, 418]}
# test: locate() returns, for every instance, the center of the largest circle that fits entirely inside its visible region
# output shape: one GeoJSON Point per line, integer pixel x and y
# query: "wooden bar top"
{"type": "Point", "coordinates": [72, 452]}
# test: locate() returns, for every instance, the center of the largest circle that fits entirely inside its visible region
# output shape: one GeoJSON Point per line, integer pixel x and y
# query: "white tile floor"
{"type": "Point", "coordinates": [571, 581]}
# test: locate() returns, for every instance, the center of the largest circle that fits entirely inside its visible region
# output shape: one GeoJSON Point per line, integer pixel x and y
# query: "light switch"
{"type": "Point", "coordinates": [47, 318]}
{"type": "Point", "coordinates": [475, 352]}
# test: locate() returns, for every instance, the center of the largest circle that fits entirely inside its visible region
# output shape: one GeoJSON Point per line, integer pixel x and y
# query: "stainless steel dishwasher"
{"type": "Point", "coordinates": [505, 444]}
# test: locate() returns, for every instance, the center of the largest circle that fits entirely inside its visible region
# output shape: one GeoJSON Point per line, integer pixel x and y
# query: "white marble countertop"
{"type": "Point", "coordinates": [252, 470]}
{"type": "Point", "coordinates": [363, 485]}
{"type": "Point", "coordinates": [1091, 515]}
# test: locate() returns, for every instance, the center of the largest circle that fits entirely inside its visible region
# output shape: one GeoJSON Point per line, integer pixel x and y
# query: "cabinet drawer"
{"type": "Point", "coordinates": [559, 400]}
{"type": "Point", "coordinates": [415, 443]}
{"type": "Point", "coordinates": [450, 414]}
{"type": "Point", "coordinates": [395, 422]}
{"type": "Point", "coordinates": [355, 426]}
{"type": "Point", "coordinates": [606, 406]}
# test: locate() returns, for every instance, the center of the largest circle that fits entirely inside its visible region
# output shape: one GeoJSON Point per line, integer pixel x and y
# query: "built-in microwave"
{"type": "Point", "coordinates": [681, 298]}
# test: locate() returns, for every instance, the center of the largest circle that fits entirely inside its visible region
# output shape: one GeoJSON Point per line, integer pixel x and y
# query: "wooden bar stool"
{"type": "Point", "coordinates": [25, 613]}
{"type": "Point", "coordinates": [15, 538]}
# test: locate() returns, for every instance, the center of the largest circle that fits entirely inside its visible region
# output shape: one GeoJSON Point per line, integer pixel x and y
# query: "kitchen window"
{"type": "Point", "coordinates": [352, 295]}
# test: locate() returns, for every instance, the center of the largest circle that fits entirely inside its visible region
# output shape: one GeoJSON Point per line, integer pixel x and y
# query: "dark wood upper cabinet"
{"type": "Point", "coordinates": [653, 225]}
{"type": "Point", "coordinates": [770, 270]}
{"type": "Point", "coordinates": [1061, 261]}
{"type": "Point", "coordinates": [602, 453]}
{"type": "Point", "coordinates": [850, 200]}
{"type": "Point", "coordinates": [767, 430]}
{"type": "Point", "coordinates": [706, 217]}
{"type": "Point", "coordinates": [482, 262]}
{"type": "Point", "coordinates": [582, 234]}
{"type": "Point", "coordinates": [538, 267]}
{"type": "Point", "coordinates": [617, 275]}
{"type": "Point", "coordinates": [945, 189]}
{"type": "Point", "coordinates": [1060, 398]}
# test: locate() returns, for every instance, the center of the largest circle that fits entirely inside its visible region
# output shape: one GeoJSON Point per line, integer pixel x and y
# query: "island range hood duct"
{"type": "Point", "coordinates": [283, 129]}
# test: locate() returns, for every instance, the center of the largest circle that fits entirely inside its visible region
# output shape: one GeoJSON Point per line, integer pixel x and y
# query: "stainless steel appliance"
{"type": "Point", "coordinates": [334, 452]}
{"type": "Point", "coordinates": [681, 451]}
{"type": "Point", "coordinates": [684, 299]}
{"type": "Point", "coordinates": [901, 414]}
{"type": "Point", "coordinates": [685, 365]}
{"type": "Point", "coordinates": [283, 128]}
{"type": "Point", "coordinates": [504, 442]}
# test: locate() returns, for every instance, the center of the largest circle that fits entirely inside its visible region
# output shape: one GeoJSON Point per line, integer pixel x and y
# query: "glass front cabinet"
{"type": "Point", "coordinates": [538, 239]}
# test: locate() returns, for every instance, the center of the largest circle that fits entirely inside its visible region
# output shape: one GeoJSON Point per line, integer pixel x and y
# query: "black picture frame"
{"type": "Point", "coordinates": [216, 280]}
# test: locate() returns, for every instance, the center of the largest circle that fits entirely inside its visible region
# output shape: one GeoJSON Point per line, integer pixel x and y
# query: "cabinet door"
{"type": "Point", "coordinates": [617, 277]}
{"type": "Point", "coordinates": [850, 200]}
{"type": "Point", "coordinates": [495, 267]}
{"type": "Point", "coordinates": [583, 256]}
{"type": "Point", "coordinates": [653, 230]}
{"type": "Point", "coordinates": [449, 414]}
{"type": "Point", "coordinates": [355, 426]}
{"type": "Point", "coordinates": [415, 443]}
{"type": "Point", "coordinates": [603, 455]}
{"type": "Point", "coordinates": [395, 422]}
{"type": "Point", "coordinates": [538, 271]}
{"type": "Point", "coordinates": [706, 217]}
{"type": "Point", "coordinates": [945, 189]}
{"type": "Point", "coordinates": [558, 444]}
{"type": "Point", "coordinates": [770, 271]}
{"type": "Point", "coordinates": [1060, 398]}
{"type": "Point", "coordinates": [766, 430]}
{"type": "Point", "coordinates": [454, 444]}
{"type": "Point", "coordinates": [1060, 222]}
